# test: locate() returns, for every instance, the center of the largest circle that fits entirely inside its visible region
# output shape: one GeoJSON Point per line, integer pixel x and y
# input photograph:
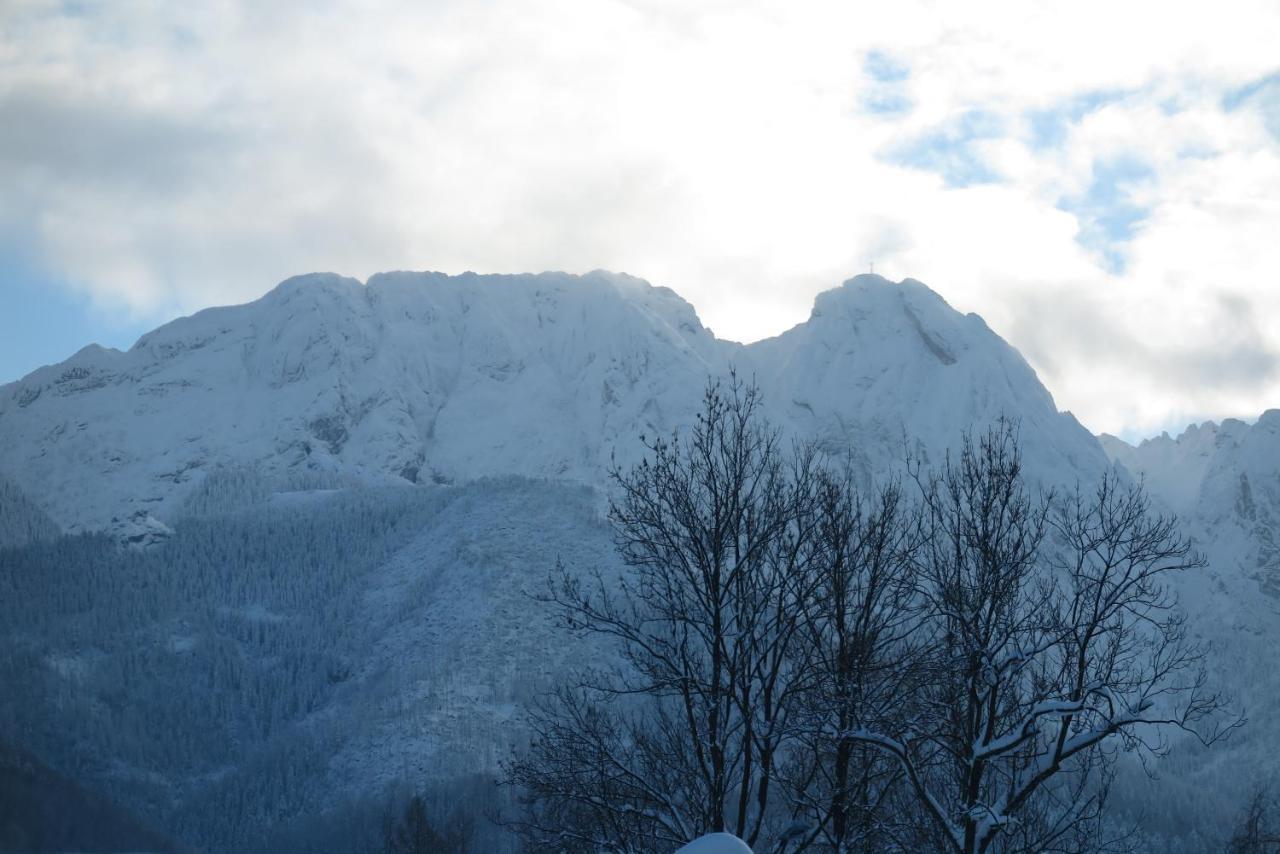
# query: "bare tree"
{"type": "Point", "coordinates": [1255, 834]}
{"type": "Point", "coordinates": [1044, 655]}
{"type": "Point", "coordinates": [596, 778]}
{"type": "Point", "coordinates": [860, 623]}
{"type": "Point", "coordinates": [809, 670]}
{"type": "Point", "coordinates": [412, 832]}
{"type": "Point", "coordinates": [716, 530]}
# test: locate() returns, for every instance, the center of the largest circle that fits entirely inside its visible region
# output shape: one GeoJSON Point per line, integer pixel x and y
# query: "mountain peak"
{"type": "Point", "coordinates": [872, 308]}
{"type": "Point", "coordinates": [328, 288]}
{"type": "Point", "coordinates": [314, 280]}
{"type": "Point", "coordinates": [879, 361]}
{"type": "Point", "coordinates": [863, 288]}
{"type": "Point", "coordinates": [871, 292]}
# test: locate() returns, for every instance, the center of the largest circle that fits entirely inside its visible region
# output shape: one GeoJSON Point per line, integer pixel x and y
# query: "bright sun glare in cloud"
{"type": "Point", "coordinates": [1102, 183]}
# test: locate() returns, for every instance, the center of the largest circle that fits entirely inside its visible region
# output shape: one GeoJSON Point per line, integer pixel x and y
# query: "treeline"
{"type": "Point", "coordinates": [952, 663]}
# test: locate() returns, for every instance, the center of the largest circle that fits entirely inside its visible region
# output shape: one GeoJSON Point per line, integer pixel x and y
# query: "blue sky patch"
{"type": "Point", "coordinates": [1263, 95]}
{"type": "Point", "coordinates": [886, 95]}
{"type": "Point", "coordinates": [1106, 212]}
{"type": "Point", "coordinates": [46, 321]}
{"type": "Point", "coordinates": [886, 103]}
{"type": "Point", "coordinates": [883, 68]}
{"type": "Point", "coordinates": [951, 149]}
{"type": "Point", "coordinates": [1049, 127]}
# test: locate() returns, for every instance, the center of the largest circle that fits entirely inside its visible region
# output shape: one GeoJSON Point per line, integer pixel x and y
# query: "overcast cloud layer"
{"type": "Point", "coordinates": [1101, 181]}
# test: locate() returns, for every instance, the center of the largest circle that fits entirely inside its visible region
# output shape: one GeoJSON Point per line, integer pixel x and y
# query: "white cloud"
{"type": "Point", "coordinates": [167, 159]}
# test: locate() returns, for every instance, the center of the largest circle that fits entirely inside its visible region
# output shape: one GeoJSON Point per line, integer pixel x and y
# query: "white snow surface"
{"type": "Point", "coordinates": [716, 843]}
{"type": "Point", "coordinates": [433, 378]}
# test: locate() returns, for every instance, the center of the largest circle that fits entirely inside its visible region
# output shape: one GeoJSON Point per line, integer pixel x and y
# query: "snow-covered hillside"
{"type": "Point", "coordinates": [424, 377]}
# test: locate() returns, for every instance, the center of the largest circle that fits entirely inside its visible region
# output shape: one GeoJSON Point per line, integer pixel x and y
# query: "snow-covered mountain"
{"type": "Point", "coordinates": [415, 377]}
{"type": "Point", "coordinates": [423, 377]}
{"type": "Point", "coordinates": [1218, 474]}
{"type": "Point", "coordinates": [293, 644]}
{"type": "Point", "coordinates": [1223, 483]}
{"type": "Point", "coordinates": [879, 363]}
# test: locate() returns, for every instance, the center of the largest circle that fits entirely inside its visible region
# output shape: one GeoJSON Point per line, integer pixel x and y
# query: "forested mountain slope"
{"type": "Point", "coordinates": [21, 520]}
{"type": "Point", "coordinates": [301, 652]}
{"type": "Point", "coordinates": [44, 811]}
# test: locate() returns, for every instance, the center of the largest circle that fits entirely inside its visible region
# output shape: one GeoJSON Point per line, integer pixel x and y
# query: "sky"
{"type": "Point", "coordinates": [1100, 181]}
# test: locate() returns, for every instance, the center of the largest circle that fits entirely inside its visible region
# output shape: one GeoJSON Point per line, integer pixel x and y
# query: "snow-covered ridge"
{"type": "Point", "coordinates": [424, 377]}
{"type": "Point", "coordinates": [1208, 467]}
{"type": "Point", "coordinates": [1223, 481]}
